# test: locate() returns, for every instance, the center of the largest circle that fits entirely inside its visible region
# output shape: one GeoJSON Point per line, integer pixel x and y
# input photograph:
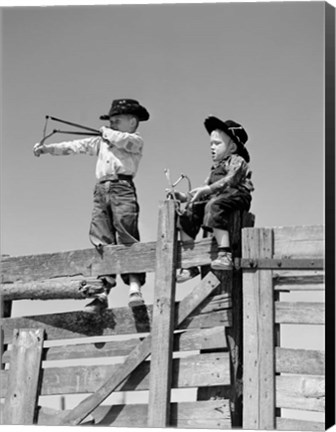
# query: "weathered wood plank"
{"type": "Point", "coordinates": [117, 259]}
{"type": "Point", "coordinates": [258, 394]}
{"type": "Point", "coordinates": [22, 392]}
{"type": "Point", "coordinates": [203, 414]}
{"type": "Point", "coordinates": [299, 313]}
{"type": "Point", "coordinates": [189, 340]}
{"type": "Point", "coordinates": [163, 317]}
{"type": "Point", "coordinates": [5, 312]}
{"type": "Point", "coordinates": [299, 361]}
{"type": "Point", "coordinates": [299, 241]}
{"type": "Point", "coordinates": [51, 289]}
{"type": "Point", "coordinates": [298, 425]}
{"type": "Point", "coordinates": [81, 324]}
{"type": "Point", "coordinates": [301, 392]}
{"type": "Point", "coordinates": [194, 371]}
{"type": "Point", "coordinates": [140, 353]}
{"type": "Point", "coordinates": [117, 321]}
{"type": "Point", "coordinates": [302, 280]}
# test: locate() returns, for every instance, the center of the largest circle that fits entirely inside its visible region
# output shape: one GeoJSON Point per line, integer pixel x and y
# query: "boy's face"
{"type": "Point", "coordinates": [221, 145]}
{"type": "Point", "coordinates": [123, 123]}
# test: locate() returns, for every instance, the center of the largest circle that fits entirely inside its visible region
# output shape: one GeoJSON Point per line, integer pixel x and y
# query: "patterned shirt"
{"type": "Point", "coordinates": [233, 172]}
{"type": "Point", "coordinates": [118, 152]}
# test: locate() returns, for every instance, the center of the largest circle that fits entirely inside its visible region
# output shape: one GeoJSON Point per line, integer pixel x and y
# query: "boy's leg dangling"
{"type": "Point", "coordinates": [135, 297]}
{"type": "Point", "coordinates": [186, 274]}
{"type": "Point", "coordinates": [224, 258]}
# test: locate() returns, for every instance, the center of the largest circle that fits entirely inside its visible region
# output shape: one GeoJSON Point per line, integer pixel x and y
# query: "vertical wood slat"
{"type": "Point", "coordinates": [163, 318]}
{"type": "Point", "coordinates": [25, 366]}
{"type": "Point", "coordinates": [5, 312]}
{"type": "Point", "coordinates": [258, 307]}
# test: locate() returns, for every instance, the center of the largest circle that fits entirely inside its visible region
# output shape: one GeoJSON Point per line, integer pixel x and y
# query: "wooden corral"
{"type": "Point", "coordinates": [202, 362]}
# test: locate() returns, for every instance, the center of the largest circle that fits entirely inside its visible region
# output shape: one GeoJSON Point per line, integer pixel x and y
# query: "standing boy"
{"type": "Point", "coordinates": [227, 188]}
{"type": "Point", "coordinates": [115, 206]}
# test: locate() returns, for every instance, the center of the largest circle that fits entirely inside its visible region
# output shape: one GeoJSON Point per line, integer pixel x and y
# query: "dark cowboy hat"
{"type": "Point", "coordinates": [126, 106]}
{"type": "Point", "coordinates": [235, 131]}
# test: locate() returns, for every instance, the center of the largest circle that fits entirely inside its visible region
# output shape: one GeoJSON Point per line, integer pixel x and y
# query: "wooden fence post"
{"type": "Point", "coordinates": [231, 283]}
{"type": "Point", "coordinates": [258, 335]}
{"type": "Point", "coordinates": [25, 365]}
{"type": "Point", "coordinates": [163, 318]}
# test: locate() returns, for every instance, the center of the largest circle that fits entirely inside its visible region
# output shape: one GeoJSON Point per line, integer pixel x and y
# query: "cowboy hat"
{"type": "Point", "coordinates": [234, 130]}
{"type": "Point", "coordinates": [126, 106]}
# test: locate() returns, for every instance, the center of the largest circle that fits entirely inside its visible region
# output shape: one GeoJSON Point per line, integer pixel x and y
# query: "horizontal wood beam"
{"type": "Point", "coordinates": [52, 289]}
{"type": "Point", "coordinates": [118, 259]}
{"type": "Point", "coordinates": [200, 414]}
{"type": "Point", "coordinates": [299, 361]}
{"type": "Point", "coordinates": [187, 340]}
{"type": "Point", "coordinates": [300, 392]}
{"type": "Point", "coordinates": [281, 263]}
{"type": "Point", "coordinates": [116, 321]}
{"type": "Point", "coordinates": [198, 370]}
{"type": "Point", "coordinates": [299, 313]}
{"type": "Point", "coordinates": [298, 425]}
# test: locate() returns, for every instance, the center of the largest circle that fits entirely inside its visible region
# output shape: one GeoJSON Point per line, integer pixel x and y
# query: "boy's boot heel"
{"type": "Point", "coordinates": [135, 299]}
{"type": "Point", "coordinates": [100, 302]}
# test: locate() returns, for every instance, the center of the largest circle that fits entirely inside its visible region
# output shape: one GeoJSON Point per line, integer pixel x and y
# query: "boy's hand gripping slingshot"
{"type": "Point", "coordinates": [176, 196]}
{"type": "Point", "coordinates": [86, 131]}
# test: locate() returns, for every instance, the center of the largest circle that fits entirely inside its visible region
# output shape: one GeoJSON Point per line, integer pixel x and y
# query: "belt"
{"type": "Point", "coordinates": [115, 179]}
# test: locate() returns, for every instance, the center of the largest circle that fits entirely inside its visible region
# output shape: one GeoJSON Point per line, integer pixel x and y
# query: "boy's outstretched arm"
{"type": "Point", "coordinates": [88, 146]}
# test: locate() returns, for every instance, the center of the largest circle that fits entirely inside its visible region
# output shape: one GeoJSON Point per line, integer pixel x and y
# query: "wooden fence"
{"type": "Point", "coordinates": [170, 363]}
{"type": "Point", "coordinates": [175, 357]}
{"type": "Point", "coordinates": [278, 261]}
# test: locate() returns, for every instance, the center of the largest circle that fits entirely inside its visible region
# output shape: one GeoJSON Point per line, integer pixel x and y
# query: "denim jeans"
{"type": "Point", "coordinates": [115, 217]}
{"type": "Point", "coordinates": [214, 212]}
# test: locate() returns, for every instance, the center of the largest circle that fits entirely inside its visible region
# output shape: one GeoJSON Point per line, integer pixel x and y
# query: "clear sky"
{"type": "Point", "coordinates": [260, 64]}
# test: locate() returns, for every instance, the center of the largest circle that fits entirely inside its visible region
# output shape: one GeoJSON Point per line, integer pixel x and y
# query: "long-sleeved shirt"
{"type": "Point", "coordinates": [233, 172]}
{"type": "Point", "coordinates": [118, 152]}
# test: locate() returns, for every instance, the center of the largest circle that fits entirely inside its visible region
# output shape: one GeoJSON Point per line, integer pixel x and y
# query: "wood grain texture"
{"type": "Point", "coordinates": [298, 425]}
{"type": "Point", "coordinates": [120, 321]}
{"type": "Point", "coordinates": [118, 259]}
{"type": "Point", "coordinates": [22, 391]}
{"type": "Point", "coordinates": [188, 340]}
{"type": "Point", "coordinates": [299, 313]}
{"type": "Point", "coordinates": [202, 414]}
{"type": "Point", "coordinates": [197, 370]}
{"type": "Point", "coordinates": [258, 378]}
{"type": "Point", "coordinates": [163, 318]}
{"type": "Point", "coordinates": [299, 361]}
{"type": "Point", "coordinates": [301, 392]}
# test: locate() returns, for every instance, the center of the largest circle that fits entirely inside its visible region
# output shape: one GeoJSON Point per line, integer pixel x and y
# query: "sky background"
{"type": "Point", "coordinates": [260, 64]}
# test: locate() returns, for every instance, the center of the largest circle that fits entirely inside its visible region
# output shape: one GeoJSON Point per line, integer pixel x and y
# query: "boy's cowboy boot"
{"type": "Point", "coordinates": [135, 299]}
{"type": "Point", "coordinates": [100, 302]}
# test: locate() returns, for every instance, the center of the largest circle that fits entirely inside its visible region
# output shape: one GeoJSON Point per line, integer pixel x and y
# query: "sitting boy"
{"type": "Point", "coordinates": [227, 189]}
